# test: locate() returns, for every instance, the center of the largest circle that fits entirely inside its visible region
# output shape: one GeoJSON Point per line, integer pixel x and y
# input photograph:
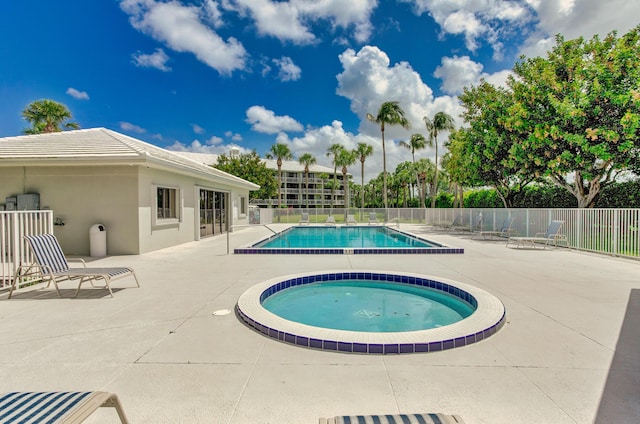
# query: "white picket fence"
{"type": "Point", "coordinates": [608, 231]}
{"type": "Point", "coordinates": [14, 225]}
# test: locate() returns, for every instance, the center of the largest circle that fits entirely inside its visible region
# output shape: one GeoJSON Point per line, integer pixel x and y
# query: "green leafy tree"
{"type": "Point", "coordinates": [483, 150]}
{"type": "Point", "coordinates": [390, 113]}
{"type": "Point", "coordinates": [363, 151]}
{"type": "Point", "coordinates": [46, 116]}
{"type": "Point", "coordinates": [441, 122]}
{"type": "Point", "coordinates": [403, 175]}
{"type": "Point", "coordinates": [250, 167]}
{"type": "Point", "coordinates": [578, 112]}
{"type": "Point", "coordinates": [280, 152]}
{"type": "Point", "coordinates": [307, 160]}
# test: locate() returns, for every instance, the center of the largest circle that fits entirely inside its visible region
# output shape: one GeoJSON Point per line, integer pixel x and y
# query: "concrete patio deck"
{"type": "Point", "coordinates": [569, 353]}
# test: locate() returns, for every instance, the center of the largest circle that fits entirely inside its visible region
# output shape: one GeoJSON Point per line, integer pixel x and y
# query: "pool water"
{"type": "Point", "coordinates": [362, 305]}
{"type": "Point", "coordinates": [343, 236]}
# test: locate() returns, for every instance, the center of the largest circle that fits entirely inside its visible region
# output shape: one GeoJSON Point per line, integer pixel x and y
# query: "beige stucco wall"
{"type": "Point", "coordinates": [82, 196]}
{"type": "Point", "coordinates": [118, 196]}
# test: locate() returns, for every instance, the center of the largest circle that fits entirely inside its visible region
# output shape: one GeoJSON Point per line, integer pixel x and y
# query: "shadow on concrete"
{"type": "Point", "coordinates": [46, 294]}
{"type": "Point", "coordinates": [620, 401]}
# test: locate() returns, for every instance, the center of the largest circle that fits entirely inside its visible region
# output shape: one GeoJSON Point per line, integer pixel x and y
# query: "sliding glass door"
{"type": "Point", "coordinates": [213, 212]}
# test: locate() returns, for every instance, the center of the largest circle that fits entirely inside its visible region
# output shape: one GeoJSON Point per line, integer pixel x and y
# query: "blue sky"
{"type": "Point", "coordinates": [205, 75]}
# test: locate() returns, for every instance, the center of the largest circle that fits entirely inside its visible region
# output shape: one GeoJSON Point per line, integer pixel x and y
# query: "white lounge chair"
{"type": "Point", "coordinates": [551, 235]}
{"type": "Point", "coordinates": [394, 419]}
{"type": "Point", "coordinates": [351, 220]}
{"type": "Point", "coordinates": [504, 231]}
{"type": "Point", "coordinates": [373, 218]}
{"type": "Point", "coordinates": [304, 218]}
{"type": "Point", "coordinates": [55, 407]}
{"type": "Point", "coordinates": [52, 265]}
{"type": "Point", "coordinates": [330, 220]}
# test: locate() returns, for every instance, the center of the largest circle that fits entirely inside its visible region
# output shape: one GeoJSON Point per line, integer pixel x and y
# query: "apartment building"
{"type": "Point", "coordinates": [294, 184]}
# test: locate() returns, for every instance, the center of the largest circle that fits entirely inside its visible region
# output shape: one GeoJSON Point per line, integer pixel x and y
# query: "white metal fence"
{"type": "Point", "coordinates": [608, 231]}
{"type": "Point", "coordinates": [14, 225]}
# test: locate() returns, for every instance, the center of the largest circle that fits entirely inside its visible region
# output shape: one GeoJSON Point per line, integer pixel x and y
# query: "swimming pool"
{"type": "Point", "coordinates": [487, 318]}
{"type": "Point", "coordinates": [363, 305]}
{"type": "Point", "coordinates": [344, 240]}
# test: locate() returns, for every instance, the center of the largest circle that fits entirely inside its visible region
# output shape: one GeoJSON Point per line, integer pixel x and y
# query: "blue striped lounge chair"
{"type": "Point", "coordinates": [552, 235]}
{"type": "Point", "coordinates": [394, 419]}
{"type": "Point", "coordinates": [55, 407]}
{"type": "Point", "coordinates": [52, 265]}
{"type": "Point", "coordinates": [504, 231]}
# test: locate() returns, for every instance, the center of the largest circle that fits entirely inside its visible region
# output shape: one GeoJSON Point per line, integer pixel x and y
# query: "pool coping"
{"type": "Point", "coordinates": [488, 318]}
{"type": "Point", "coordinates": [251, 249]}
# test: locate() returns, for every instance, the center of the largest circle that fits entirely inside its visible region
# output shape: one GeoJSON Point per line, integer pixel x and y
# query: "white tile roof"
{"type": "Point", "coordinates": [98, 145]}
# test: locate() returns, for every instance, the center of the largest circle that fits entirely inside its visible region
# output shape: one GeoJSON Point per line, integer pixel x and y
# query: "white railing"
{"type": "Point", "coordinates": [608, 231]}
{"type": "Point", "coordinates": [14, 225]}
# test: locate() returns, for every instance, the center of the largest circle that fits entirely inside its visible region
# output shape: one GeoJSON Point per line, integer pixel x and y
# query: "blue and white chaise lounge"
{"type": "Point", "coordinates": [552, 235]}
{"type": "Point", "coordinates": [55, 407]}
{"type": "Point", "coordinates": [52, 265]}
{"type": "Point", "coordinates": [394, 419]}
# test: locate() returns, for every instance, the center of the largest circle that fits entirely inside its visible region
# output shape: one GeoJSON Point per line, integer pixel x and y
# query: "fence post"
{"type": "Point", "coordinates": [614, 242]}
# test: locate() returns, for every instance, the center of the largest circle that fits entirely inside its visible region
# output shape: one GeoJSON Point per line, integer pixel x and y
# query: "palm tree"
{"type": "Point", "coordinates": [46, 116]}
{"type": "Point", "coordinates": [416, 142]}
{"type": "Point", "coordinates": [307, 160]}
{"type": "Point", "coordinates": [332, 152]}
{"type": "Point", "coordinates": [344, 159]}
{"type": "Point", "coordinates": [389, 113]}
{"type": "Point", "coordinates": [441, 122]}
{"type": "Point", "coordinates": [363, 151]}
{"type": "Point", "coordinates": [279, 151]}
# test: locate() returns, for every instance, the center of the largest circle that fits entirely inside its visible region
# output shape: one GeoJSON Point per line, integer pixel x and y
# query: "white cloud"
{"type": "Point", "coordinates": [475, 20]}
{"type": "Point", "coordinates": [77, 94]}
{"type": "Point", "coordinates": [183, 29]}
{"type": "Point", "coordinates": [290, 20]}
{"type": "Point", "coordinates": [574, 19]}
{"type": "Point", "coordinates": [458, 72]}
{"type": "Point", "coordinates": [197, 147]}
{"type": "Point", "coordinates": [289, 71]}
{"type": "Point", "coordinates": [265, 121]}
{"type": "Point", "coordinates": [127, 126]}
{"type": "Point", "coordinates": [232, 136]}
{"type": "Point", "coordinates": [368, 80]}
{"type": "Point", "coordinates": [214, 140]}
{"type": "Point", "coordinates": [157, 59]}
{"type": "Point", "coordinates": [197, 129]}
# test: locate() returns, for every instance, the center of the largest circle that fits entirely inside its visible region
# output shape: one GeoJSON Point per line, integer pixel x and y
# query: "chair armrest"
{"type": "Point", "coordinates": [84, 264]}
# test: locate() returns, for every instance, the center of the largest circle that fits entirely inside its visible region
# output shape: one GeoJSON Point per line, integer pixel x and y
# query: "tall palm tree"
{"type": "Point", "coordinates": [416, 142]}
{"type": "Point", "coordinates": [46, 116]}
{"type": "Point", "coordinates": [332, 152]}
{"type": "Point", "coordinates": [344, 159]}
{"type": "Point", "coordinates": [392, 114]}
{"type": "Point", "coordinates": [363, 151]}
{"type": "Point", "coordinates": [279, 151]}
{"type": "Point", "coordinates": [442, 121]}
{"type": "Point", "coordinates": [307, 160]}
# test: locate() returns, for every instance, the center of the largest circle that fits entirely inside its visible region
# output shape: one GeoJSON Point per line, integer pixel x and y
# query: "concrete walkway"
{"type": "Point", "coordinates": [570, 352]}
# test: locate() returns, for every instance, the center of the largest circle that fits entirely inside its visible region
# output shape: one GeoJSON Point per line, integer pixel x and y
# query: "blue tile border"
{"type": "Point", "coordinates": [371, 348]}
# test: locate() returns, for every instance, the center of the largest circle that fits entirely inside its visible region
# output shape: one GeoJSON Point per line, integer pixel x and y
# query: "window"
{"type": "Point", "coordinates": [168, 203]}
{"type": "Point", "coordinates": [243, 205]}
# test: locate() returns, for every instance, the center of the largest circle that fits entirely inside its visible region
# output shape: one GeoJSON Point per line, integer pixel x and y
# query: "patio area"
{"type": "Point", "coordinates": [569, 352]}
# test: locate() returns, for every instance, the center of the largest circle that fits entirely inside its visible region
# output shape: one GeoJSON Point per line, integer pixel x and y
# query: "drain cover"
{"type": "Point", "coordinates": [222, 312]}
